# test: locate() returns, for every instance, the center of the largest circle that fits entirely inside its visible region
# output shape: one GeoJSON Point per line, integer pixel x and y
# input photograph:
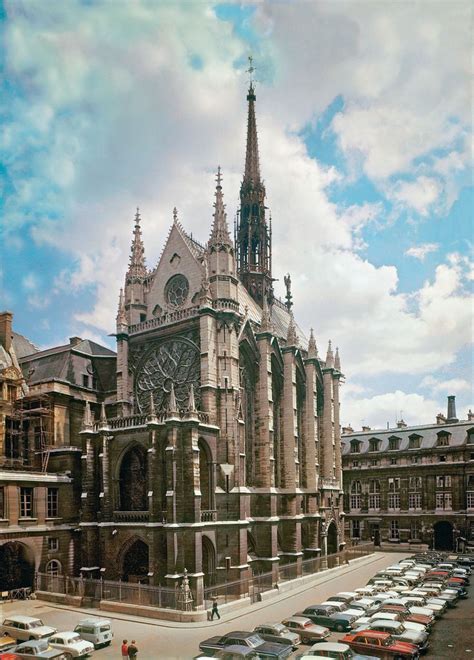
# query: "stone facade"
{"type": "Point", "coordinates": [411, 484]}
{"type": "Point", "coordinates": [222, 456]}
{"type": "Point", "coordinates": [210, 442]}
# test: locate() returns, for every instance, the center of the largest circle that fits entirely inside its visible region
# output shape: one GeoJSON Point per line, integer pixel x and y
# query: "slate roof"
{"type": "Point", "coordinates": [428, 433]}
{"type": "Point", "coordinates": [23, 346]}
{"type": "Point", "coordinates": [70, 362]}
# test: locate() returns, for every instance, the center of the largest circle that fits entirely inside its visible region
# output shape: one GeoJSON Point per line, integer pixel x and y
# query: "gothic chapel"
{"type": "Point", "coordinates": [221, 453]}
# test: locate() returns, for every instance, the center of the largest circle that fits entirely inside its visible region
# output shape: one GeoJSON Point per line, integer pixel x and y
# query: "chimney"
{"type": "Point", "coordinates": [452, 410]}
{"type": "Point", "coordinates": [74, 341]}
{"type": "Point", "coordinates": [6, 330]}
{"type": "Point", "coordinates": [440, 418]}
{"type": "Point", "coordinates": [470, 416]}
{"type": "Point", "coordinates": [366, 428]}
{"type": "Point", "coordinates": [347, 429]}
{"type": "Point", "coordinates": [401, 424]}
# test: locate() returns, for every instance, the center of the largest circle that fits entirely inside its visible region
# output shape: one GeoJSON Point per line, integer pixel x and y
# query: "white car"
{"type": "Point", "coordinates": [25, 628]}
{"type": "Point", "coordinates": [71, 644]}
{"type": "Point", "coordinates": [390, 616]}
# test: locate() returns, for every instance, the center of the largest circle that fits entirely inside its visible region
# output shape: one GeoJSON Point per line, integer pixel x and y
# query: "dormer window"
{"type": "Point", "coordinates": [374, 444]}
{"type": "Point", "coordinates": [470, 436]}
{"type": "Point", "coordinates": [393, 443]}
{"type": "Point", "coordinates": [355, 446]}
{"type": "Point", "coordinates": [414, 441]}
{"type": "Point", "coordinates": [443, 439]}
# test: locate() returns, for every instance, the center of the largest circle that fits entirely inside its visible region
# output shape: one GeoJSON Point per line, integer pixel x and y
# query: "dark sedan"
{"type": "Point", "coordinates": [323, 616]}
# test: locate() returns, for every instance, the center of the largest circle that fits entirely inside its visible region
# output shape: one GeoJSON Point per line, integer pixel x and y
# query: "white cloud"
{"type": "Point", "coordinates": [30, 282]}
{"type": "Point", "coordinates": [420, 251]}
{"type": "Point", "coordinates": [389, 407]}
{"type": "Point", "coordinates": [419, 194]}
{"type": "Point", "coordinates": [125, 120]}
{"type": "Point", "coordinates": [447, 387]}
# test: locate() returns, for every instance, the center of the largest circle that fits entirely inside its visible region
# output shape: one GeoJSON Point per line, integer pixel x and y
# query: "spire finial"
{"type": "Point", "coordinates": [312, 348]}
{"type": "Point", "coordinates": [266, 322]}
{"type": "Point", "coordinates": [220, 231]}
{"type": "Point", "coordinates": [251, 70]}
{"type": "Point", "coordinates": [337, 360]}
{"type": "Point", "coordinates": [291, 337]}
{"type": "Point", "coordinates": [175, 214]}
{"type": "Point", "coordinates": [137, 267]}
{"type": "Point", "coordinates": [172, 406]}
{"type": "Point", "coordinates": [330, 356]}
{"type": "Point", "coordinates": [121, 313]}
{"type": "Point", "coordinates": [252, 164]}
{"type": "Point", "coordinates": [87, 425]}
{"type": "Point", "coordinates": [103, 423]}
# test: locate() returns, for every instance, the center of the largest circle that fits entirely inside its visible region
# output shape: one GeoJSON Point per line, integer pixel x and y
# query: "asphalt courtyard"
{"type": "Point", "coordinates": [452, 637]}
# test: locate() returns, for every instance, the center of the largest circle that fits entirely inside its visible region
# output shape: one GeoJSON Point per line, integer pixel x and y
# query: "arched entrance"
{"type": "Point", "coordinates": [208, 562]}
{"type": "Point", "coordinates": [133, 480]}
{"type": "Point", "coordinates": [17, 568]}
{"type": "Point", "coordinates": [135, 563]}
{"type": "Point", "coordinates": [332, 538]}
{"type": "Point", "coordinates": [443, 535]}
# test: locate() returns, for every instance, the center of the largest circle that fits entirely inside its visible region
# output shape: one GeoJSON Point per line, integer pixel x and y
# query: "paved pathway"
{"type": "Point", "coordinates": [173, 640]}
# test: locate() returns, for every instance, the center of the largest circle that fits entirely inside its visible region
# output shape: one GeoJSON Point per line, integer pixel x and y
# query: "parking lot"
{"type": "Point", "coordinates": [159, 639]}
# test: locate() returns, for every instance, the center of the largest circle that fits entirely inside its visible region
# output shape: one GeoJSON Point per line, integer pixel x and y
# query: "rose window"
{"type": "Point", "coordinates": [176, 290]}
{"type": "Point", "coordinates": [173, 362]}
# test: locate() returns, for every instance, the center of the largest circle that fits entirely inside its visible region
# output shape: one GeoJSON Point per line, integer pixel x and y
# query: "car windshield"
{"type": "Point", "coordinates": [73, 639]}
{"type": "Point", "coordinates": [282, 629]}
{"type": "Point", "coordinates": [37, 623]}
{"type": "Point", "coordinates": [388, 641]}
{"type": "Point", "coordinates": [104, 628]}
{"type": "Point", "coordinates": [308, 624]}
{"type": "Point", "coordinates": [254, 641]}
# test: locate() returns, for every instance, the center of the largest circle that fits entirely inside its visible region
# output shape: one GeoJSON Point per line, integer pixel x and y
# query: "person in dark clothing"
{"type": "Point", "coordinates": [132, 650]}
{"type": "Point", "coordinates": [214, 610]}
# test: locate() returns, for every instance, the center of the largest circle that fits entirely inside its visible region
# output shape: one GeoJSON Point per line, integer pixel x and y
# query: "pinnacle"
{"type": "Point", "coordinates": [252, 164]}
{"type": "Point", "coordinates": [121, 314]}
{"type": "Point", "coordinates": [312, 347]}
{"type": "Point", "coordinates": [337, 360]}
{"type": "Point", "coordinates": [329, 356]}
{"type": "Point", "coordinates": [291, 338]}
{"type": "Point", "coordinates": [137, 267]}
{"type": "Point", "coordinates": [220, 231]}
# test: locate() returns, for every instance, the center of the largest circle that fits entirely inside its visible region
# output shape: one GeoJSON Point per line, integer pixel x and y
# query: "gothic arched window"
{"type": "Point", "coordinates": [248, 378]}
{"type": "Point", "coordinates": [133, 480]}
{"type": "Point", "coordinates": [277, 389]}
{"type": "Point", "coordinates": [300, 410]}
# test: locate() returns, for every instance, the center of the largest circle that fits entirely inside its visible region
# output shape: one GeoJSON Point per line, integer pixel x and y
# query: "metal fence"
{"type": "Point", "coordinates": [164, 597]}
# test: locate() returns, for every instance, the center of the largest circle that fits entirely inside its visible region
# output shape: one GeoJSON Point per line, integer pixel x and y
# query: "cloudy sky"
{"type": "Point", "coordinates": [364, 112]}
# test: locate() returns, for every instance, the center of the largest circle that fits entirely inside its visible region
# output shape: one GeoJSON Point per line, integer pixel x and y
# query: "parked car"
{"type": "Point", "coordinates": [308, 631]}
{"type": "Point", "coordinates": [25, 628]}
{"type": "Point", "coordinates": [233, 652]}
{"type": "Point", "coordinates": [250, 639]}
{"type": "Point", "coordinates": [343, 597]}
{"type": "Point", "coordinates": [37, 648]}
{"type": "Point", "coordinates": [334, 650]}
{"type": "Point", "coordinates": [9, 656]}
{"type": "Point", "coordinates": [98, 631]}
{"type": "Point", "coordinates": [392, 616]}
{"type": "Point", "coordinates": [381, 644]}
{"type": "Point", "coordinates": [408, 615]}
{"type": "Point", "coordinates": [399, 631]}
{"type": "Point", "coordinates": [72, 644]}
{"type": "Point", "coordinates": [6, 643]}
{"type": "Point", "coordinates": [322, 616]}
{"type": "Point", "coordinates": [277, 632]}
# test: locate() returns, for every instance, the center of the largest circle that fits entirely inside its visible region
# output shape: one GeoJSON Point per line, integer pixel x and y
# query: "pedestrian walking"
{"type": "Point", "coordinates": [132, 649]}
{"type": "Point", "coordinates": [125, 649]}
{"type": "Point", "coordinates": [214, 610]}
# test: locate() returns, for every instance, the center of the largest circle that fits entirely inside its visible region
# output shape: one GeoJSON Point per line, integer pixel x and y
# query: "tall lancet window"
{"type": "Point", "coordinates": [277, 389]}
{"type": "Point", "coordinates": [300, 412]}
{"type": "Point", "coordinates": [248, 381]}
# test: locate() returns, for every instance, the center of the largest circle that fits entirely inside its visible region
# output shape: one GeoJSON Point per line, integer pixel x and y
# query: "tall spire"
{"type": "Point", "coordinates": [253, 240]}
{"type": "Point", "coordinates": [121, 313]}
{"type": "Point", "coordinates": [136, 267]}
{"type": "Point", "coordinates": [220, 230]}
{"type": "Point", "coordinates": [337, 360]}
{"type": "Point", "coordinates": [252, 161]}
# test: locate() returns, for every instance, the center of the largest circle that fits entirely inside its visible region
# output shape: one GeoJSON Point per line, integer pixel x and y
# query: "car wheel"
{"type": "Point", "coordinates": [340, 627]}
{"type": "Point", "coordinates": [68, 656]}
{"type": "Point", "coordinates": [304, 640]}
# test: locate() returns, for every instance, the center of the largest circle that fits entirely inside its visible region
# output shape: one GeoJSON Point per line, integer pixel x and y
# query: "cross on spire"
{"type": "Point", "coordinates": [250, 70]}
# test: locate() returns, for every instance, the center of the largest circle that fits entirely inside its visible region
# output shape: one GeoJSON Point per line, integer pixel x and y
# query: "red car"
{"type": "Point", "coordinates": [381, 645]}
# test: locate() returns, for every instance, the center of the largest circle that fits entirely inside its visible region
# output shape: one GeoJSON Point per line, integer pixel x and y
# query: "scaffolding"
{"type": "Point", "coordinates": [29, 432]}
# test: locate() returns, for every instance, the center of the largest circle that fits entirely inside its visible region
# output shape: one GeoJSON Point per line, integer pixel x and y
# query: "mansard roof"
{"type": "Point", "coordinates": [70, 362]}
{"type": "Point", "coordinates": [428, 434]}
